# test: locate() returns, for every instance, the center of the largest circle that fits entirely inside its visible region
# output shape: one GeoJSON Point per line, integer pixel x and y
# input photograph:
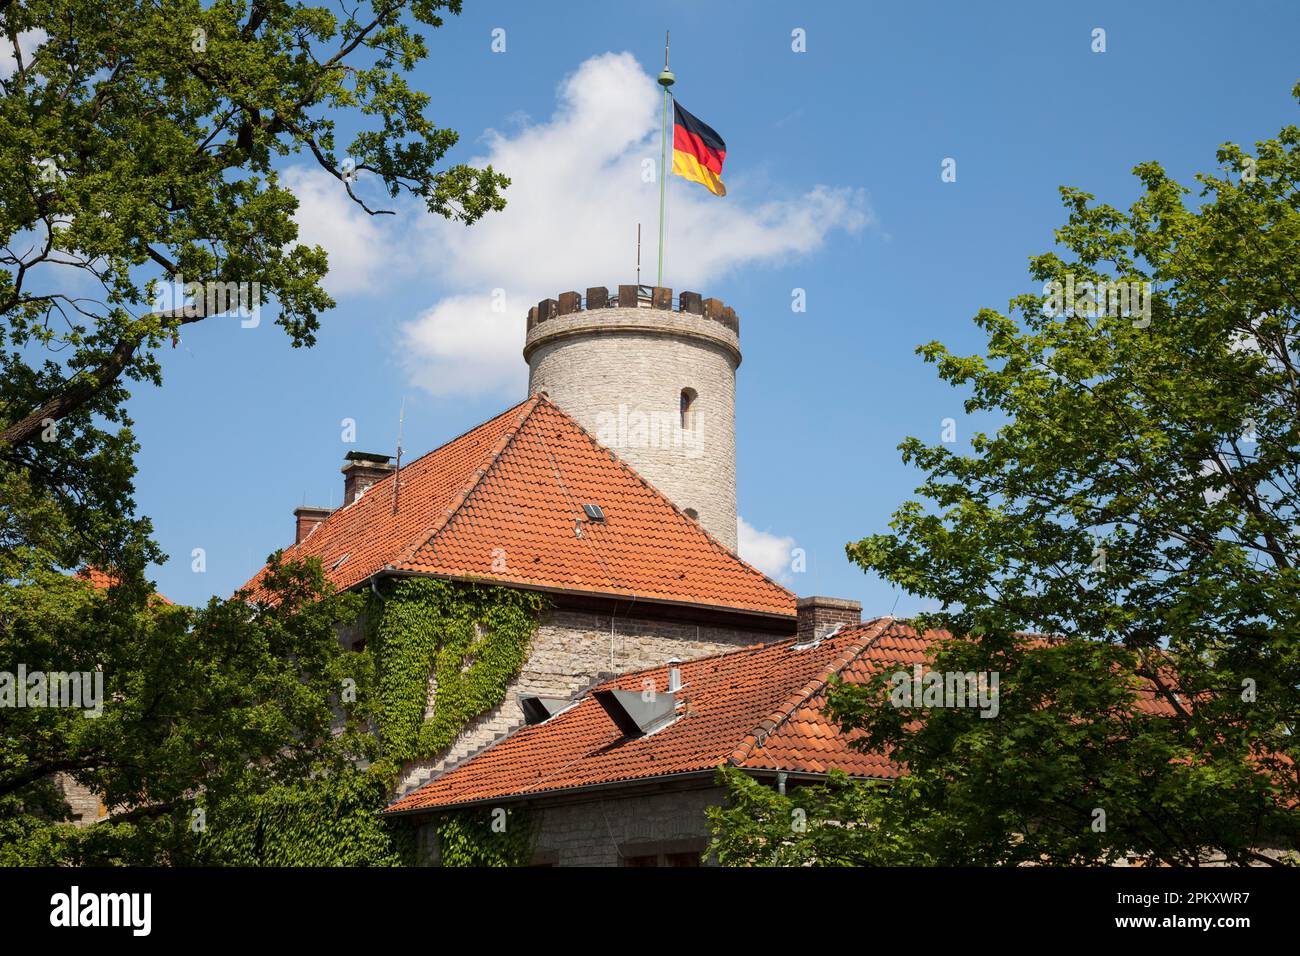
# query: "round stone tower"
{"type": "Point", "coordinates": [654, 383]}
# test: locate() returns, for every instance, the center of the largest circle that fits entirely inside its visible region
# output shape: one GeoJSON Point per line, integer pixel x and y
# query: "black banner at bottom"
{"type": "Point", "coordinates": [338, 906]}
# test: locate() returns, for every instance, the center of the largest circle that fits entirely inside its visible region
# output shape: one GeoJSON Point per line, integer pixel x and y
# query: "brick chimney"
{"type": "Point", "coordinates": [363, 470]}
{"type": "Point", "coordinates": [818, 616]}
{"type": "Point", "coordinates": [307, 518]}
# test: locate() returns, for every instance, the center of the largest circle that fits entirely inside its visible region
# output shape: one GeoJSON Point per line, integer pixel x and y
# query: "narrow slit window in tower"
{"type": "Point", "coordinates": [689, 396]}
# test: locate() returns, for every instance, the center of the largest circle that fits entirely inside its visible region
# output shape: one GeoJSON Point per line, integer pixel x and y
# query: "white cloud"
{"type": "Point", "coordinates": [365, 252]}
{"type": "Point", "coordinates": [576, 196]}
{"type": "Point", "coordinates": [572, 208]}
{"type": "Point", "coordinates": [28, 41]}
{"type": "Point", "coordinates": [768, 552]}
{"type": "Point", "coordinates": [462, 346]}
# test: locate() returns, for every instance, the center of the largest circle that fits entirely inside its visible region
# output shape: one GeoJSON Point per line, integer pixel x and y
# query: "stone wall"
{"type": "Point", "coordinates": [85, 803]}
{"type": "Point", "coordinates": [572, 650]}
{"type": "Point", "coordinates": [664, 827]}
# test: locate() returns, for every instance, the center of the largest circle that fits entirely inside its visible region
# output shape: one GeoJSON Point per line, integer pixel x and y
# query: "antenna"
{"type": "Point", "coordinates": [638, 254]}
{"type": "Point", "coordinates": [397, 475]}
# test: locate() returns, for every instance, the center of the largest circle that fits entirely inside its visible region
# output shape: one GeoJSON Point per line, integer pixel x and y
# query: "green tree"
{"type": "Point", "coordinates": [837, 823]}
{"type": "Point", "coordinates": [202, 710]}
{"type": "Point", "coordinates": [141, 143]}
{"type": "Point", "coordinates": [1137, 500]}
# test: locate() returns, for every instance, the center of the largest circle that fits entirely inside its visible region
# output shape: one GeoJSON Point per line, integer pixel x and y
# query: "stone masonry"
{"type": "Point", "coordinates": [87, 808]}
{"type": "Point", "coordinates": [619, 828]}
{"type": "Point", "coordinates": [572, 650]}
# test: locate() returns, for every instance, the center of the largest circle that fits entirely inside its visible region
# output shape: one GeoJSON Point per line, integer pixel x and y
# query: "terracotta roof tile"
{"type": "Point", "coordinates": [759, 708]}
{"type": "Point", "coordinates": [724, 697]}
{"type": "Point", "coordinates": [501, 502]}
{"type": "Point", "coordinates": [97, 579]}
{"type": "Point", "coordinates": [101, 581]}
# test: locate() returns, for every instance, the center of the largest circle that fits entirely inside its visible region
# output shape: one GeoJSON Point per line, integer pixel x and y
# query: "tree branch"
{"type": "Point", "coordinates": [82, 388]}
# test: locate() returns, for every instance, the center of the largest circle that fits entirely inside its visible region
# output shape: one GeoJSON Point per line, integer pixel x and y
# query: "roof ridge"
{"type": "Point", "coordinates": [343, 509]}
{"type": "Point", "coordinates": [885, 620]}
{"type": "Point", "coordinates": [769, 724]}
{"type": "Point", "coordinates": [456, 438]}
{"type": "Point", "coordinates": [476, 478]}
{"type": "Point", "coordinates": [672, 504]}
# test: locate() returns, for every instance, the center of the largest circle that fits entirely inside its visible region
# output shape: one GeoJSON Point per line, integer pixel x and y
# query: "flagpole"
{"type": "Point", "coordinates": [666, 80]}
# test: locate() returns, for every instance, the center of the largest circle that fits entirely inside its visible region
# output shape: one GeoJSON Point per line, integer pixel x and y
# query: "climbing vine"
{"type": "Point", "coordinates": [473, 639]}
{"type": "Point", "coordinates": [481, 836]}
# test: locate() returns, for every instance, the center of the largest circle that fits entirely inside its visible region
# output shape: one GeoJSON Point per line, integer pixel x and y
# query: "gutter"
{"type": "Point", "coordinates": [558, 791]}
{"type": "Point", "coordinates": [793, 775]}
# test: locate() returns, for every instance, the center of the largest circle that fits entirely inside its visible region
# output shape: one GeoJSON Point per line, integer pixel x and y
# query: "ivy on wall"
{"type": "Point", "coordinates": [498, 836]}
{"type": "Point", "coordinates": [473, 639]}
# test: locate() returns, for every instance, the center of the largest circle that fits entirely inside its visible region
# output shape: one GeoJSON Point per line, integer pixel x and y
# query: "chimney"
{"type": "Point", "coordinates": [818, 616]}
{"type": "Point", "coordinates": [363, 470]}
{"type": "Point", "coordinates": [674, 679]}
{"type": "Point", "coordinates": [308, 517]}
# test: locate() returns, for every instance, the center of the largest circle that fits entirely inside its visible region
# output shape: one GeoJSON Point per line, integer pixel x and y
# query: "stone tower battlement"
{"type": "Point", "coordinates": [654, 383]}
{"type": "Point", "coordinates": [634, 297]}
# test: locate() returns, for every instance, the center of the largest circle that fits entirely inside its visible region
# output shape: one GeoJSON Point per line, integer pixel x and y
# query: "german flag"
{"type": "Point", "coordinates": [698, 151]}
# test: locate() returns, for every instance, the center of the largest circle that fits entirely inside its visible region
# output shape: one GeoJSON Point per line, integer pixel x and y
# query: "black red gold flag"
{"type": "Point", "coordinates": [698, 151]}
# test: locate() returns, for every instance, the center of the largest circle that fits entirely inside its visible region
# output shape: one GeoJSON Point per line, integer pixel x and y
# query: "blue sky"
{"type": "Point", "coordinates": [833, 165]}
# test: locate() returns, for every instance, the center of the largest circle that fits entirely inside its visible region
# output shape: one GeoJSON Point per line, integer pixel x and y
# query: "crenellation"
{"type": "Point", "coordinates": [633, 297]}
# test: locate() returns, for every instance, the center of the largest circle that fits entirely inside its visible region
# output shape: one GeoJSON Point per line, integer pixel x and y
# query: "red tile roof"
{"type": "Point", "coordinates": [102, 581]}
{"type": "Point", "coordinates": [97, 579]}
{"type": "Point", "coordinates": [760, 708]}
{"type": "Point", "coordinates": [500, 503]}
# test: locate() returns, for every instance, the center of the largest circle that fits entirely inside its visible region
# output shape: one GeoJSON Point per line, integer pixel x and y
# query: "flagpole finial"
{"type": "Point", "coordinates": [666, 78]}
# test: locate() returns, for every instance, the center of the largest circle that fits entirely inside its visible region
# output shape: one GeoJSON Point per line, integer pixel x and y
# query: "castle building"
{"type": "Point", "coordinates": [661, 655]}
{"type": "Point", "coordinates": [610, 781]}
{"type": "Point", "coordinates": [610, 489]}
